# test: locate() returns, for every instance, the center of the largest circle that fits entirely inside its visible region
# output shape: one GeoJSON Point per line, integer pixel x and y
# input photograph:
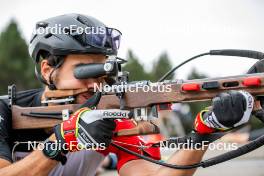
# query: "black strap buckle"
{"type": "Point", "coordinates": [11, 94]}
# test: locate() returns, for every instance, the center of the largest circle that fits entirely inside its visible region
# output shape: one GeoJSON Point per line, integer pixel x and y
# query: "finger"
{"type": "Point", "coordinates": [257, 106]}
{"type": "Point", "coordinates": [239, 106]}
{"type": "Point", "coordinates": [226, 101]}
{"type": "Point", "coordinates": [238, 101]}
{"type": "Point", "coordinates": [216, 102]}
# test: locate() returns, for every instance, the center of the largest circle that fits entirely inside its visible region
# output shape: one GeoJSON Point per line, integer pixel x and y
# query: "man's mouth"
{"type": "Point", "coordinates": [87, 94]}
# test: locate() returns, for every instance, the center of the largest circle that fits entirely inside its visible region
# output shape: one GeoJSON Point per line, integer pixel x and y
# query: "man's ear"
{"type": "Point", "coordinates": [45, 69]}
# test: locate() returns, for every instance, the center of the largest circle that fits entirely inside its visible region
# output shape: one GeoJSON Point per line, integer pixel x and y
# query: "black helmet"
{"type": "Point", "coordinates": [73, 34]}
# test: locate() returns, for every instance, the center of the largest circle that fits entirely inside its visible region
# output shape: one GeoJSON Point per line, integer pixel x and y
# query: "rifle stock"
{"type": "Point", "coordinates": [187, 91]}
{"type": "Point", "coordinates": [20, 121]}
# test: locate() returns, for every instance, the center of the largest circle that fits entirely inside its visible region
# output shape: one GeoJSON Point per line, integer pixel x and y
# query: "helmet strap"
{"type": "Point", "coordinates": [51, 84]}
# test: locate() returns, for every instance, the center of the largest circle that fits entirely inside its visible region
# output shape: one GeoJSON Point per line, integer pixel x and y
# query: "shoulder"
{"type": "Point", "coordinates": [5, 127]}
{"type": "Point", "coordinates": [5, 118]}
{"type": "Point", "coordinates": [4, 105]}
{"type": "Point", "coordinates": [23, 98]}
{"type": "Point", "coordinates": [29, 98]}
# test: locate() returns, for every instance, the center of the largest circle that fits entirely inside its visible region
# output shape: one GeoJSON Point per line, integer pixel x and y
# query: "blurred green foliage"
{"type": "Point", "coordinates": [161, 66]}
{"type": "Point", "coordinates": [15, 63]}
{"type": "Point", "coordinates": [137, 70]}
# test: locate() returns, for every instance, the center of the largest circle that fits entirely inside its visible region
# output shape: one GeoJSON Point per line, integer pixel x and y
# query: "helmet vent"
{"type": "Point", "coordinates": [42, 25]}
{"type": "Point", "coordinates": [80, 39]}
{"type": "Point", "coordinates": [48, 35]}
{"type": "Point", "coordinates": [82, 20]}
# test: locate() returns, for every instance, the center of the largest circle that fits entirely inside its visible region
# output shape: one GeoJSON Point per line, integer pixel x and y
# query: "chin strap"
{"type": "Point", "coordinates": [51, 84]}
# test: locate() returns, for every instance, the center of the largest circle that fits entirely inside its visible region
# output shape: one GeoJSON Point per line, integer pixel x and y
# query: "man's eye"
{"type": "Point", "coordinates": [80, 64]}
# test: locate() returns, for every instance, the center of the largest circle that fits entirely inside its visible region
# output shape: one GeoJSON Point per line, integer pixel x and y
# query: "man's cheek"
{"type": "Point", "coordinates": [68, 84]}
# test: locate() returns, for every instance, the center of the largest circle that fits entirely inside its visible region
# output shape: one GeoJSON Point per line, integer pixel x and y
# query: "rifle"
{"type": "Point", "coordinates": [144, 105]}
{"type": "Point", "coordinates": [181, 91]}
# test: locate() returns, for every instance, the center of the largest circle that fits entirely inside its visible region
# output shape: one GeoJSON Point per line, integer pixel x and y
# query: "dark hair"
{"type": "Point", "coordinates": [53, 61]}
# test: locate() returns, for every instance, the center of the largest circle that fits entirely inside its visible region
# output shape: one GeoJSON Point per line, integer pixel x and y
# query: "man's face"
{"type": "Point", "coordinates": [64, 77]}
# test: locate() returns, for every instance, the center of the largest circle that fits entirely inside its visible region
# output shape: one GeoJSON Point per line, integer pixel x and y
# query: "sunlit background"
{"type": "Point", "coordinates": [180, 28]}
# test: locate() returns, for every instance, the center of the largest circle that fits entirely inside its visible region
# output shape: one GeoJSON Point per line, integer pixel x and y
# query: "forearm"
{"type": "Point", "coordinates": [182, 157]}
{"type": "Point", "coordinates": [144, 168]}
{"type": "Point", "coordinates": [36, 163]}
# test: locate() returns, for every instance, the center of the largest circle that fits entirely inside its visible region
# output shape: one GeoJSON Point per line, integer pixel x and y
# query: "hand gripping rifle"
{"type": "Point", "coordinates": [142, 105]}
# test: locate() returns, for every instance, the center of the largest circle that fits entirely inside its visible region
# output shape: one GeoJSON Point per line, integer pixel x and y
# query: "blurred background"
{"type": "Point", "coordinates": [157, 35]}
